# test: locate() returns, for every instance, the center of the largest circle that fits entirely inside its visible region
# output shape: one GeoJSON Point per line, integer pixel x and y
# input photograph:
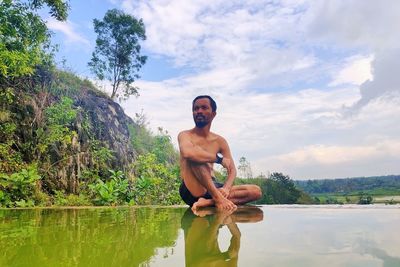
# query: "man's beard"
{"type": "Point", "coordinates": [200, 124]}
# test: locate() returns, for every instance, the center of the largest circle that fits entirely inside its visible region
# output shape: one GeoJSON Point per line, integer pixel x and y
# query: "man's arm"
{"type": "Point", "coordinates": [192, 152]}
{"type": "Point", "coordinates": [229, 164]}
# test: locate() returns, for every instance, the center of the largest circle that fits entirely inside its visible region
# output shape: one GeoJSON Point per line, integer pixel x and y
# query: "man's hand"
{"type": "Point", "coordinates": [224, 191]}
{"type": "Point", "coordinates": [225, 204]}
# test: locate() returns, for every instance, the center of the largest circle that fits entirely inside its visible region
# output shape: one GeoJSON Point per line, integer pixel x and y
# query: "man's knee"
{"type": "Point", "coordinates": [255, 191]}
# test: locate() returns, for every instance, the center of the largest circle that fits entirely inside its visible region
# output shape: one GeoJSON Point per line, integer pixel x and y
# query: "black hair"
{"type": "Point", "coordinates": [212, 102]}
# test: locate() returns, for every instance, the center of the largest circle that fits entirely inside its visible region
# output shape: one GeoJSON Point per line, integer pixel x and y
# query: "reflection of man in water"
{"type": "Point", "coordinates": [201, 235]}
{"type": "Point", "coordinates": [199, 150]}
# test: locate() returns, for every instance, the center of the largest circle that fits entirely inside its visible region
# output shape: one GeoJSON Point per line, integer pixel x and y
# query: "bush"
{"type": "Point", "coordinates": [60, 199]}
{"type": "Point", "coordinates": [111, 192]}
{"type": "Point", "coordinates": [155, 182]}
{"type": "Point", "coordinates": [365, 199]}
{"type": "Point", "coordinates": [19, 188]}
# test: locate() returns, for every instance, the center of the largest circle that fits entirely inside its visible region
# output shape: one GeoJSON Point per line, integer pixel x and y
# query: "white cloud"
{"type": "Point", "coordinates": [68, 29]}
{"type": "Point", "coordinates": [386, 78]}
{"type": "Point", "coordinates": [323, 161]}
{"type": "Point", "coordinates": [242, 53]}
{"type": "Point", "coordinates": [356, 70]}
{"type": "Point", "coordinates": [355, 23]}
{"type": "Point", "coordinates": [211, 34]}
{"type": "Point", "coordinates": [362, 25]}
{"type": "Point", "coordinates": [334, 155]}
{"type": "Point", "coordinates": [345, 146]}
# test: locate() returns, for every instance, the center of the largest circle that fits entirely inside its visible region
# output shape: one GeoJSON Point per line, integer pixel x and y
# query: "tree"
{"type": "Point", "coordinates": [283, 189]}
{"type": "Point", "coordinates": [24, 37]}
{"type": "Point", "coordinates": [244, 168]}
{"type": "Point", "coordinates": [22, 33]}
{"type": "Point", "coordinates": [117, 55]}
{"type": "Point", "coordinates": [58, 8]}
{"type": "Point", "coordinates": [365, 199]}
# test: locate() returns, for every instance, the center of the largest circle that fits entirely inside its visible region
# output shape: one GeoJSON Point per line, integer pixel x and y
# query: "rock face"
{"type": "Point", "coordinates": [109, 125]}
{"type": "Point", "coordinates": [65, 130]}
{"type": "Point", "coordinates": [100, 123]}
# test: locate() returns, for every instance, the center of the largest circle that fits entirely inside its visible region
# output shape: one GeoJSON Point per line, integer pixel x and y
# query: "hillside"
{"type": "Point", "coordinates": [66, 142]}
{"type": "Point", "coordinates": [390, 184]}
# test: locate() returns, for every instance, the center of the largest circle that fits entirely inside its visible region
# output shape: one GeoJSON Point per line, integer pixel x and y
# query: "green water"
{"type": "Point", "coordinates": [263, 236]}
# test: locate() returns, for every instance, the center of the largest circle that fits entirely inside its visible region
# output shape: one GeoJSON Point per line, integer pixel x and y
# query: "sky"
{"type": "Point", "coordinates": [307, 88]}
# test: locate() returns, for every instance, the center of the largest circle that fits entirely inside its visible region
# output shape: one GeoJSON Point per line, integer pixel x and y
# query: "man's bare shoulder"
{"type": "Point", "coordinates": [218, 138]}
{"type": "Point", "coordinates": [184, 133]}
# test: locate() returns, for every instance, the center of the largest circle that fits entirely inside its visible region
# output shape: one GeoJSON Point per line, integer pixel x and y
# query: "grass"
{"type": "Point", "coordinates": [380, 195]}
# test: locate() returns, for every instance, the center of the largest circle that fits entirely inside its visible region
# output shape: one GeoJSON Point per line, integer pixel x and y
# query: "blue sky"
{"type": "Point", "coordinates": [307, 88]}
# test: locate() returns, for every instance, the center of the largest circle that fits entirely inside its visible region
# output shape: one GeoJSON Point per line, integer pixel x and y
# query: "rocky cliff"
{"type": "Point", "coordinates": [69, 142]}
{"type": "Point", "coordinates": [106, 127]}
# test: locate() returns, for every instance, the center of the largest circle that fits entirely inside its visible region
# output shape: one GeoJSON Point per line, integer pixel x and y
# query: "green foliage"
{"type": "Point", "coordinates": [7, 97]}
{"type": "Point", "coordinates": [5, 200]}
{"type": "Point", "coordinates": [61, 113]}
{"type": "Point", "coordinates": [112, 192]}
{"type": "Point", "coordinates": [101, 154]}
{"type": "Point", "coordinates": [61, 199]}
{"type": "Point", "coordinates": [23, 35]}
{"type": "Point", "coordinates": [24, 203]}
{"type": "Point", "coordinates": [58, 8]}
{"type": "Point", "coordinates": [385, 184]}
{"type": "Point", "coordinates": [163, 148]}
{"type": "Point", "coordinates": [68, 84]}
{"type": "Point", "coordinates": [59, 117]}
{"type": "Point", "coordinates": [283, 189]}
{"type": "Point", "coordinates": [117, 54]}
{"type": "Point", "coordinates": [354, 198]}
{"type": "Point", "coordinates": [141, 138]}
{"type": "Point", "coordinates": [155, 182]}
{"type": "Point", "coordinates": [387, 202]}
{"type": "Point", "coordinates": [365, 199]}
{"type": "Point", "coordinates": [38, 117]}
{"type": "Point", "coordinates": [42, 199]}
{"type": "Point", "coordinates": [361, 190]}
{"type": "Point", "coordinates": [25, 52]}
{"type": "Point", "coordinates": [332, 200]}
{"type": "Point", "coordinates": [10, 159]}
{"type": "Point", "coordinates": [144, 141]}
{"type": "Point", "coordinates": [278, 189]}
{"type": "Point", "coordinates": [305, 199]}
{"type": "Point", "coordinates": [19, 188]}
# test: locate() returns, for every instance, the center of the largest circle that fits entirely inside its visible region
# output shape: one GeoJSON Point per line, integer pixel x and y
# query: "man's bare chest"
{"type": "Point", "coordinates": [208, 145]}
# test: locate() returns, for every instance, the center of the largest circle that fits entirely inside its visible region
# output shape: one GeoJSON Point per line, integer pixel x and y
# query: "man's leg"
{"type": "Point", "coordinates": [203, 184]}
{"type": "Point", "coordinates": [242, 194]}
{"type": "Point", "coordinates": [203, 202]}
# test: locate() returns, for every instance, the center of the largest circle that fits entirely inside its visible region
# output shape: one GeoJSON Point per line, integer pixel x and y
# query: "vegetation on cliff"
{"type": "Point", "coordinates": [64, 142]}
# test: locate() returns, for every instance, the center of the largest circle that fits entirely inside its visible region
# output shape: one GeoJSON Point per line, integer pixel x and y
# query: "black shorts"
{"type": "Point", "coordinates": [189, 198]}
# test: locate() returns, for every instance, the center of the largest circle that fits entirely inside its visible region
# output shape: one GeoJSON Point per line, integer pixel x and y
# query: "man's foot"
{"type": "Point", "coordinates": [225, 205]}
{"type": "Point", "coordinates": [202, 202]}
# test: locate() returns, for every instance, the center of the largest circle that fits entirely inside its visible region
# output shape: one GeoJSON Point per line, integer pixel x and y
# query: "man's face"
{"type": "Point", "coordinates": [202, 112]}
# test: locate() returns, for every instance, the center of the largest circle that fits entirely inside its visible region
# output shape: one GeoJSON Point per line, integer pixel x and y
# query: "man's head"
{"type": "Point", "coordinates": [213, 104]}
{"type": "Point", "coordinates": [204, 110]}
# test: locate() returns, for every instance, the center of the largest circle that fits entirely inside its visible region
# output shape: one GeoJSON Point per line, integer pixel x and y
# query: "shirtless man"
{"type": "Point", "coordinates": [199, 150]}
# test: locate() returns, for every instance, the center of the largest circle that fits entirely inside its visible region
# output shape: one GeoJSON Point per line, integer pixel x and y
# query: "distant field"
{"type": "Point", "coordinates": [379, 196]}
{"type": "Point", "coordinates": [387, 198]}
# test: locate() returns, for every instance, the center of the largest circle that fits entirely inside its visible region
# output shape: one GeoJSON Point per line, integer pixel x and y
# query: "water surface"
{"type": "Point", "coordinates": [174, 236]}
